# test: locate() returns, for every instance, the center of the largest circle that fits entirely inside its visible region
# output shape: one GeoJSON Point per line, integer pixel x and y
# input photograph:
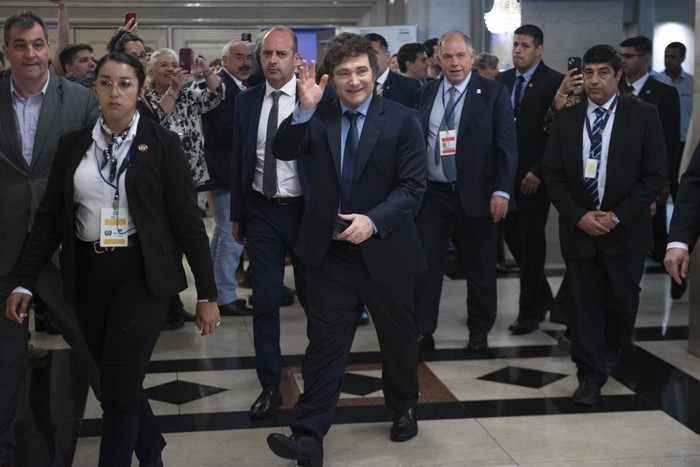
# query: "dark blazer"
{"type": "Point", "coordinates": [636, 172]}
{"type": "Point", "coordinates": [388, 187]}
{"type": "Point", "coordinates": [666, 99]}
{"type": "Point", "coordinates": [245, 140]}
{"type": "Point", "coordinates": [536, 100]}
{"type": "Point", "coordinates": [162, 201]}
{"type": "Point", "coordinates": [66, 107]}
{"type": "Point", "coordinates": [217, 125]}
{"type": "Point", "coordinates": [401, 89]}
{"type": "Point", "coordinates": [487, 154]}
{"type": "Point", "coordinates": [685, 223]}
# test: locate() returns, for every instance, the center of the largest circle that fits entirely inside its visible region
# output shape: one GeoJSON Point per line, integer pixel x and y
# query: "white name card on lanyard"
{"type": "Point", "coordinates": [114, 221]}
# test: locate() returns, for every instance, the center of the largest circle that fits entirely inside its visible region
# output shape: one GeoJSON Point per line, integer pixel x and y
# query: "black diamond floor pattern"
{"type": "Point", "coordinates": [523, 377]}
{"type": "Point", "coordinates": [360, 385]}
{"type": "Point", "coordinates": [180, 392]}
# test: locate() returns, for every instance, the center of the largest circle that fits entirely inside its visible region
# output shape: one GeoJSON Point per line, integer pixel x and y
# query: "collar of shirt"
{"type": "Point", "coordinates": [362, 108]}
{"type": "Point", "coordinates": [238, 82]}
{"type": "Point", "coordinates": [383, 77]}
{"type": "Point", "coordinates": [99, 137]}
{"type": "Point", "coordinates": [639, 84]}
{"type": "Point", "coordinates": [461, 87]}
{"type": "Point", "coordinates": [42, 92]}
{"type": "Point", "coordinates": [528, 74]}
{"type": "Point", "coordinates": [592, 106]}
{"type": "Point", "coordinates": [289, 89]}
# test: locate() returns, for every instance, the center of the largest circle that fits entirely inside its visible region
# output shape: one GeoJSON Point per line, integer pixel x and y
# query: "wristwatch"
{"type": "Point", "coordinates": [615, 219]}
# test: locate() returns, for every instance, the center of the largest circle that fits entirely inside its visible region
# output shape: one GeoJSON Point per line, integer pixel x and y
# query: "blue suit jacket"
{"type": "Point", "coordinates": [217, 125]}
{"type": "Point", "coordinates": [245, 134]}
{"type": "Point", "coordinates": [487, 153]}
{"type": "Point", "coordinates": [388, 186]}
{"type": "Point", "coordinates": [401, 89]}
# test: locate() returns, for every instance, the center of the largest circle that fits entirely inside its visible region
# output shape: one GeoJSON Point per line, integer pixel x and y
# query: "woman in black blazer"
{"type": "Point", "coordinates": [121, 204]}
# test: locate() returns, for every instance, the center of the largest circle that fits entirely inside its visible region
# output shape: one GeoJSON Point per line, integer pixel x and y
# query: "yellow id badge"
{"type": "Point", "coordinates": [114, 229]}
{"type": "Point", "coordinates": [448, 142]}
{"type": "Point", "coordinates": [591, 168]}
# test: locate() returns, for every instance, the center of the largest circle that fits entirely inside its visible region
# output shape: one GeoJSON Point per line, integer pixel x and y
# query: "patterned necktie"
{"type": "Point", "coordinates": [378, 88]}
{"type": "Point", "coordinates": [349, 156]}
{"type": "Point", "coordinates": [596, 151]}
{"type": "Point", "coordinates": [449, 165]}
{"type": "Point", "coordinates": [270, 166]}
{"type": "Point", "coordinates": [109, 154]}
{"type": "Point", "coordinates": [518, 95]}
{"type": "Point", "coordinates": [245, 83]}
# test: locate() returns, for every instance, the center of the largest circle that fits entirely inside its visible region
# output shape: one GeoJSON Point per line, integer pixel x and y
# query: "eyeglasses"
{"type": "Point", "coordinates": [629, 56]}
{"type": "Point", "coordinates": [106, 85]}
{"type": "Point", "coordinates": [142, 56]}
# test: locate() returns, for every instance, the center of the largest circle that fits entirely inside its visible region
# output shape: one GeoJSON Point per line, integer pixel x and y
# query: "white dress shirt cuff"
{"type": "Point", "coordinates": [22, 290]}
{"type": "Point", "coordinates": [502, 194]}
{"type": "Point", "coordinates": [302, 116]}
{"type": "Point", "coordinates": [681, 245]}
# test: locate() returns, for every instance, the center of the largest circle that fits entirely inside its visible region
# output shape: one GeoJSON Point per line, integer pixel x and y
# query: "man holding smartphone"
{"type": "Point", "coordinates": [532, 86]}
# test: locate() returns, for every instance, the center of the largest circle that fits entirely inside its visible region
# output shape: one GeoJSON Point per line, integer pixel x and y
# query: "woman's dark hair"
{"type": "Point", "coordinates": [126, 59]}
{"type": "Point", "coordinates": [118, 42]}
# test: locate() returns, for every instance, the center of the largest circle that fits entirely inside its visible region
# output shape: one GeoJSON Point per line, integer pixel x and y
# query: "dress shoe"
{"type": "Point", "coordinates": [426, 343]}
{"type": "Point", "coordinates": [677, 290]}
{"type": "Point", "coordinates": [306, 450]}
{"type": "Point", "coordinates": [524, 326]}
{"type": "Point", "coordinates": [404, 427]}
{"type": "Point", "coordinates": [269, 399]}
{"type": "Point", "coordinates": [587, 393]}
{"type": "Point", "coordinates": [363, 320]}
{"type": "Point", "coordinates": [235, 308]}
{"type": "Point", "coordinates": [478, 343]}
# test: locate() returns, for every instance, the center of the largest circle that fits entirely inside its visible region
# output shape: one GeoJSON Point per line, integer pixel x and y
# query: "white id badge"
{"type": "Point", "coordinates": [591, 168]}
{"type": "Point", "coordinates": [112, 222]}
{"type": "Point", "coordinates": [448, 142]}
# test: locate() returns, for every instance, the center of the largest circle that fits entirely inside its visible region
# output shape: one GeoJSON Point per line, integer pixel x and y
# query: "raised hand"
{"type": "Point", "coordinates": [310, 92]}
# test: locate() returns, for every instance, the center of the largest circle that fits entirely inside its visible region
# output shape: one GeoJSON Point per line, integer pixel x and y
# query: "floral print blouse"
{"type": "Point", "coordinates": [191, 103]}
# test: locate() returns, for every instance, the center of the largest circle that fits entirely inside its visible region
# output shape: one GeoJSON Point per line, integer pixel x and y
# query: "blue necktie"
{"type": "Point", "coordinates": [518, 95]}
{"type": "Point", "coordinates": [449, 165]}
{"type": "Point", "coordinates": [270, 163]}
{"type": "Point", "coordinates": [349, 156]}
{"type": "Point", "coordinates": [596, 152]}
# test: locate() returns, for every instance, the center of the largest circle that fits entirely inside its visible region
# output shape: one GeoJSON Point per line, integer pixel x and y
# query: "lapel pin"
{"type": "Point", "coordinates": [648, 91]}
{"type": "Point", "coordinates": [530, 85]}
{"type": "Point", "coordinates": [143, 147]}
{"type": "Point", "coordinates": [478, 91]}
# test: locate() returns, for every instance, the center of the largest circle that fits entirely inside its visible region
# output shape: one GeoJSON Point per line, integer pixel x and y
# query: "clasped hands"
{"type": "Point", "coordinates": [597, 223]}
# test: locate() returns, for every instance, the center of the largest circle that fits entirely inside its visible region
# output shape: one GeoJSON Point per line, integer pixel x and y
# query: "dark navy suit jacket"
{"type": "Point", "coordinates": [401, 89]}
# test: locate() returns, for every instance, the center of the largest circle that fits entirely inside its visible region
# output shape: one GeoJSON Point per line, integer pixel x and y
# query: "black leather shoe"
{"type": "Point", "coordinates": [587, 393]}
{"type": "Point", "coordinates": [288, 296]}
{"type": "Point", "coordinates": [363, 320]}
{"type": "Point", "coordinates": [235, 308]}
{"type": "Point", "coordinates": [269, 399]}
{"type": "Point", "coordinates": [677, 290]}
{"type": "Point", "coordinates": [404, 427]}
{"type": "Point", "coordinates": [478, 343]}
{"type": "Point", "coordinates": [306, 450]}
{"type": "Point", "coordinates": [524, 326]}
{"type": "Point", "coordinates": [426, 343]}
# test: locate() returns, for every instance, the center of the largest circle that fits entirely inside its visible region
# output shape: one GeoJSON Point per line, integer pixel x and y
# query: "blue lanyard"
{"type": "Point", "coordinates": [446, 116]}
{"type": "Point", "coordinates": [122, 169]}
{"type": "Point", "coordinates": [605, 122]}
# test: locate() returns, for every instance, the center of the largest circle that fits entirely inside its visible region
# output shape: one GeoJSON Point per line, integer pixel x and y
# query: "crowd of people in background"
{"type": "Point", "coordinates": [361, 171]}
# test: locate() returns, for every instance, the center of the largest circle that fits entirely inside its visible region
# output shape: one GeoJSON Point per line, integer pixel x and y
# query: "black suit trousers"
{"type": "Point", "coordinates": [121, 321]}
{"type": "Point", "coordinates": [441, 209]}
{"type": "Point", "coordinates": [603, 298]}
{"type": "Point", "coordinates": [337, 290]}
{"type": "Point", "coordinates": [524, 233]}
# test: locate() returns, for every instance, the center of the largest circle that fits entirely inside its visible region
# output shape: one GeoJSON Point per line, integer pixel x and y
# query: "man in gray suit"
{"type": "Point", "coordinates": [38, 107]}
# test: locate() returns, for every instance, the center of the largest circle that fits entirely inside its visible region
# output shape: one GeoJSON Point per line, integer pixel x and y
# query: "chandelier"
{"type": "Point", "coordinates": [504, 16]}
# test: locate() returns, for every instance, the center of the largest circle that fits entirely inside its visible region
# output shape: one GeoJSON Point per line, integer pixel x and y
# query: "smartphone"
{"type": "Point", "coordinates": [186, 58]}
{"type": "Point", "coordinates": [129, 16]}
{"type": "Point", "coordinates": [575, 62]}
{"type": "Point", "coordinates": [340, 226]}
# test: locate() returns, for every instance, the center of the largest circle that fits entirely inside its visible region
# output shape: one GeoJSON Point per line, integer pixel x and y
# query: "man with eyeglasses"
{"type": "Point", "coordinates": [38, 107]}
{"type": "Point", "coordinates": [636, 60]}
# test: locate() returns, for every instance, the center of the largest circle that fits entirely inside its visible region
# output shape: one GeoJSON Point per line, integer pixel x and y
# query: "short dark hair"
{"type": "Point", "coordinates": [374, 37]}
{"type": "Point", "coordinates": [533, 31]}
{"type": "Point", "coordinates": [24, 19]}
{"type": "Point", "coordinates": [677, 45]}
{"type": "Point", "coordinates": [118, 42]}
{"type": "Point", "coordinates": [641, 44]}
{"type": "Point", "coordinates": [408, 53]}
{"type": "Point", "coordinates": [430, 46]}
{"type": "Point", "coordinates": [127, 59]}
{"type": "Point", "coordinates": [67, 55]}
{"type": "Point", "coordinates": [603, 53]}
{"type": "Point", "coordinates": [348, 45]}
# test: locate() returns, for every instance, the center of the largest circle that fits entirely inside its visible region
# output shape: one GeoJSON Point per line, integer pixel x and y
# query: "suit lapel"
{"type": "Point", "coordinates": [617, 137]}
{"type": "Point", "coordinates": [427, 102]}
{"type": "Point", "coordinates": [332, 123]}
{"type": "Point", "coordinates": [140, 151]}
{"type": "Point", "coordinates": [52, 100]}
{"type": "Point", "coordinates": [371, 129]}
{"type": "Point", "coordinates": [472, 104]}
{"type": "Point", "coordinates": [9, 141]}
{"type": "Point", "coordinates": [254, 122]}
